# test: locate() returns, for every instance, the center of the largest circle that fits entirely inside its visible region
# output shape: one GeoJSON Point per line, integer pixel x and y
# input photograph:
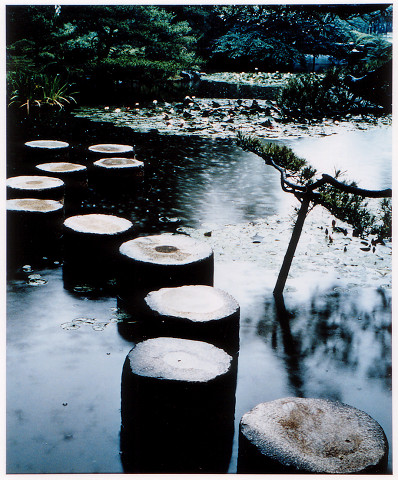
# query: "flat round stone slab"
{"type": "Point", "coordinates": [111, 148]}
{"type": "Point", "coordinates": [33, 205]}
{"type": "Point", "coordinates": [100, 224]}
{"type": "Point", "coordinates": [198, 303]}
{"type": "Point", "coordinates": [167, 358]}
{"type": "Point", "coordinates": [51, 144]}
{"type": "Point", "coordinates": [34, 182]}
{"type": "Point", "coordinates": [61, 167]}
{"type": "Point", "coordinates": [166, 249]}
{"type": "Point", "coordinates": [118, 162]}
{"type": "Point", "coordinates": [315, 435]}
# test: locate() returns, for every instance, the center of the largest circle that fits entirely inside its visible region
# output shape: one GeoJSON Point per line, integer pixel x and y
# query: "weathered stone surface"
{"type": "Point", "coordinates": [197, 312]}
{"type": "Point", "coordinates": [33, 205]}
{"type": "Point", "coordinates": [33, 182]}
{"type": "Point", "coordinates": [196, 303]}
{"type": "Point", "coordinates": [306, 435]}
{"type": "Point", "coordinates": [35, 186]}
{"type": "Point", "coordinates": [118, 163]}
{"type": "Point", "coordinates": [47, 144]}
{"type": "Point", "coordinates": [166, 249]}
{"type": "Point", "coordinates": [178, 359]}
{"type": "Point", "coordinates": [110, 148]}
{"type": "Point", "coordinates": [61, 167]}
{"type": "Point", "coordinates": [100, 224]}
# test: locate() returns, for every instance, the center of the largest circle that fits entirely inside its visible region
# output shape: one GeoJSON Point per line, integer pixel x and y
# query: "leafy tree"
{"type": "Point", "coordinates": [77, 37]}
{"type": "Point", "coordinates": [273, 37]}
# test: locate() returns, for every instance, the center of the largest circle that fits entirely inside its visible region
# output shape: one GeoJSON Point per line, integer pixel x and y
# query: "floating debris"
{"type": "Point", "coordinates": [87, 320]}
{"type": "Point", "coordinates": [70, 325]}
{"type": "Point", "coordinates": [83, 288]}
{"type": "Point", "coordinates": [36, 280]}
{"type": "Point", "coordinates": [114, 320]}
{"type": "Point", "coordinates": [98, 327]}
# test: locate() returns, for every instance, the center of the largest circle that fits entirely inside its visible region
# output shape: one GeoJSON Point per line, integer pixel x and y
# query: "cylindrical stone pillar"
{"type": "Point", "coordinates": [74, 177]}
{"type": "Point", "coordinates": [198, 312]}
{"type": "Point", "coordinates": [306, 435]}
{"type": "Point", "coordinates": [35, 186]}
{"type": "Point", "coordinates": [91, 245]}
{"type": "Point", "coordinates": [115, 173]}
{"type": "Point", "coordinates": [43, 151]}
{"type": "Point", "coordinates": [34, 228]}
{"type": "Point", "coordinates": [157, 261]}
{"type": "Point", "coordinates": [178, 399]}
{"type": "Point", "coordinates": [104, 150]}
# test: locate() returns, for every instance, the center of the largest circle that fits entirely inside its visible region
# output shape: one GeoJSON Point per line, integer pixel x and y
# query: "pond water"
{"type": "Point", "coordinates": [65, 351]}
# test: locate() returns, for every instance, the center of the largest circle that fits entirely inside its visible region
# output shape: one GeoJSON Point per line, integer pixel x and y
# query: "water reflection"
{"type": "Point", "coordinates": [365, 156]}
{"type": "Point", "coordinates": [195, 181]}
{"type": "Point", "coordinates": [335, 331]}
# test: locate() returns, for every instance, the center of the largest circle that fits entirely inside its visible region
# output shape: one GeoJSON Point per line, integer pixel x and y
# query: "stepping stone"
{"type": "Point", "coordinates": [35, 186]}
{"type": "Point", "coordinates": [157, 261]}
{"type": "Point", "coordinates": [47, 145]}
{"type": "Point", "coordinates": [117, 172]}
{"type": "Point", "coordinates": [199, 312]}
{"type": "Point", "coordinates": [306, 435]}
{"type": "Point", "coordinates": [121, 165]}
{"type": "Point", "coordinates": [34, 228]}
{"type": "Point", "coordinates": [110, 149]}
{"type": "Point", "coordinates": [47, 149]}
{"type": "Point", "coordinates": [73, 175]}
{"type": "Point", "coordinates": [91, 245]}
{"type": "Point", "coordinates": [177, 409]}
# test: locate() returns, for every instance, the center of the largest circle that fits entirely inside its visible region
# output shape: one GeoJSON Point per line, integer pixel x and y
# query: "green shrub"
{"type": "Point", "coordinates": [314, 96]}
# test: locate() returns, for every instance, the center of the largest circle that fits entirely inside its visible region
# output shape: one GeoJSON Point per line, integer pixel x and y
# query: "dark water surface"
{"type": "Point", "coordinates": [65, 351]}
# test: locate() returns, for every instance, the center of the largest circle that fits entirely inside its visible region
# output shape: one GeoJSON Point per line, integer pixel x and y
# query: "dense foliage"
{"type": "Point", "coordinates": [104, 49]}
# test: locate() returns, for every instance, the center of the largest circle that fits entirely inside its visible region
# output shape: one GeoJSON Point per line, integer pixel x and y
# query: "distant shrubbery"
{"type": "Point", "coordinates": [313, 96]}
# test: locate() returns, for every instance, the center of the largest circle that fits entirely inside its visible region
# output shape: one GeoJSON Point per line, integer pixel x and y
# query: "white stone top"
{"type": "Point", "coordinates": [52, 144]}
{"type": "Point", "coordinates": [199, 303]}
{"type": "Point", "coordinates": [169, 358]}
{"type": "Point", "coordinates": [117, 162]}
{"type": "Point", "coordinates": [111, 148]}
{"type": "Point", "coordinates": [61, 167]}
{"type": "Point", "coordinates": [98, 223]}
{"type": "Point", "coordinates": [315, 434]}
{"type": "Point", "coordinates": [33, 205]}
{"type": "Point", "coordinates": [34, 182]}
{"type": "Point", "coordinates": [166, 249]}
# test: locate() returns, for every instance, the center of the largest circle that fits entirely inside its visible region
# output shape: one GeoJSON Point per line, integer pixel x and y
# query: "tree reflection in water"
{"type": "Point", "coordinates": [335, 332]}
